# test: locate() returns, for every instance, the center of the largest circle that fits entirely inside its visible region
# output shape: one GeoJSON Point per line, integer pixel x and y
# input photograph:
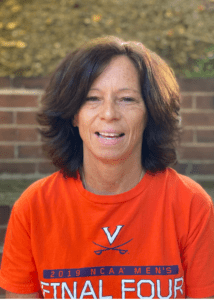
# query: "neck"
{"type": "Point", "coordinates": [111, 179]}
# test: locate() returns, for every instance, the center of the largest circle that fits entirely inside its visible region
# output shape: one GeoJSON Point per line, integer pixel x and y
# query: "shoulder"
{"type": "Point", "coordinates": [181, 190]}
{"type": "Point", "coordinates": [186, 189]}
{"type": "Point", "coordinates": [40, 190]}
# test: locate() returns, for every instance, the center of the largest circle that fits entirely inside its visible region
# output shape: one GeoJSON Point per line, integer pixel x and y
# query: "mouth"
{"type": "Point", "coordinates": [109, 135]}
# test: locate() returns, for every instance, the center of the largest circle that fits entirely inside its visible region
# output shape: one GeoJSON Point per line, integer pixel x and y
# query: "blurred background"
{"type": "Point", "coordinates": [35, 35]}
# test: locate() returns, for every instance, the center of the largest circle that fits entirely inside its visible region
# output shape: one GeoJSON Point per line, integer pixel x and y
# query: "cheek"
{"type": "Point", "coordinates": [144, 118]}
{"type": "Point", "coordinates": [138, 127]}
{"type": "Point", "coordinates": [84, 129]}
{"type": "Point", "coordinates": [140, 121]}
{"type": "Point", "coordinates": [80, 119]}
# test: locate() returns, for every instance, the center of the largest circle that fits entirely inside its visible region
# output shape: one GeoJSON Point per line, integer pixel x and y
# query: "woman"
{"type": "Point", "coordinates": [116, 221]}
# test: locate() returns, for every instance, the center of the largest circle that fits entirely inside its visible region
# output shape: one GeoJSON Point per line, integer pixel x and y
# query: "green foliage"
{"type": "Point", "coordinates": [203, 67]}
{"type": "Point", "coordinates": [36, 34]}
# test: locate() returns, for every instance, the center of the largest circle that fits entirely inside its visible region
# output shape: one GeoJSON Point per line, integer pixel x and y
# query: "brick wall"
{"type": "Point", "coordinates": [20, 143]}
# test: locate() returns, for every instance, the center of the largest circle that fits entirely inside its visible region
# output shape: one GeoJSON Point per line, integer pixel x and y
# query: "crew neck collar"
{"type": "Point", "coordinates": [113, 199]}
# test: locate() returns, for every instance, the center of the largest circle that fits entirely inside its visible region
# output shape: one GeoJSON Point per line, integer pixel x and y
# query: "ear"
{"type": "Point", "coordinates": [75, 121]}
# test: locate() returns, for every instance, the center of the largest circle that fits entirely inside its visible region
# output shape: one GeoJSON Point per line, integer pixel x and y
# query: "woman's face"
{"type": "Point", "coordinates": [112, 120]}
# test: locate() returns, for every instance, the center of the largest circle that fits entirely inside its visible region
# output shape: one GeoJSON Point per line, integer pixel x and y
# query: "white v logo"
{"type": "Point", "coordinates": [112, 237]}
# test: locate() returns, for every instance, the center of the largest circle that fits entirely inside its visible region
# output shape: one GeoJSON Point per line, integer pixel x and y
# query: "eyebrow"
{"type": "Point", "coordinates": [124, 89]}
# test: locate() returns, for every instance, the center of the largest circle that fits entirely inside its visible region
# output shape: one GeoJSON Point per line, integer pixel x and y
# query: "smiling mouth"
{"type": "Point", "coordinates": [109, 135]}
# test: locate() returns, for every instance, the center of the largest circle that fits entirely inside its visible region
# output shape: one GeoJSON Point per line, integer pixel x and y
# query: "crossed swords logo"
{"type": "Point", "coordinates": [121, 251]}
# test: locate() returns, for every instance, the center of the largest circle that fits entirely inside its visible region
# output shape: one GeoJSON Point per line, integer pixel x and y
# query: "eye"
{"type": "Point", "coordinates": [128, 99]}
{"type": "Point", "coordinates": [92, 99]}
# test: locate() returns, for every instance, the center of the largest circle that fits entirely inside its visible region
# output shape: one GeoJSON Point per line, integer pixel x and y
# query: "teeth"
{"type": "Point", "coordinates": [109, 134]}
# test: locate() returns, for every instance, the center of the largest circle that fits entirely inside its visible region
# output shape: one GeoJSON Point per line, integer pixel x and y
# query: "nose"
{"type": "Point", "coordinates": [109, 110]}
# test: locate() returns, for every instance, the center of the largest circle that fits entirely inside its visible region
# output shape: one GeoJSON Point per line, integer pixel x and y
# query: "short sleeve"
{"type": "Point", "coordinates": [18, 272]}
{"type": "Point", "coordinates": [198, 254]}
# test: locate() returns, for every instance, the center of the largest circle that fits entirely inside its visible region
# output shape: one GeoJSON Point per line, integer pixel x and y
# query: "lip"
{"type": "Point", "coordinates": [110, 131]}
{"type": "Point", "coordinates": [110, 141]}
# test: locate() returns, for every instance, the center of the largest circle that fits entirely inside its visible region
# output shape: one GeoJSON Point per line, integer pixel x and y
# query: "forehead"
{"type": "Point", "coordinates": [120, 72]}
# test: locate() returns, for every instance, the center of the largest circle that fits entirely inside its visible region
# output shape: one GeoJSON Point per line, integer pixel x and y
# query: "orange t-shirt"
{"type": "Point", "coordinates": [154, 241]}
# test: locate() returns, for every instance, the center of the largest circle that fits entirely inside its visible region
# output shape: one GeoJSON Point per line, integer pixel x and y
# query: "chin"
{"type": "Point", "coordinates": [113, 159]}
